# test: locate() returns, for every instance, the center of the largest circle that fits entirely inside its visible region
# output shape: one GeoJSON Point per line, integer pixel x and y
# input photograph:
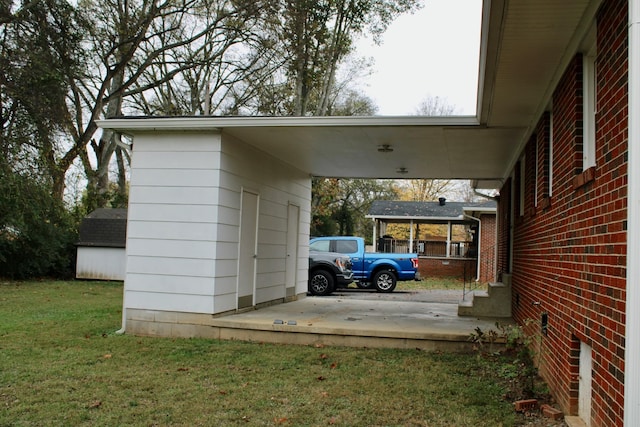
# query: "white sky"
{"type": "Point", "coordinates": [433, 52]}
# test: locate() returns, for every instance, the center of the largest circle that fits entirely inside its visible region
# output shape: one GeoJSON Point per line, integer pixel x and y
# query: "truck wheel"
{"type": "Point", "coordinates": [320, 283]}
{"type": "Point", "coordinates": [385, 281]}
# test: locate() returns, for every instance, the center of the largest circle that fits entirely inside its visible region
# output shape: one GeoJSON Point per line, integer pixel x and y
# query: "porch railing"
{"type": "Point", "coordinates": [487, 266]}
{"type": "Point", "coordinates": [430, 248]}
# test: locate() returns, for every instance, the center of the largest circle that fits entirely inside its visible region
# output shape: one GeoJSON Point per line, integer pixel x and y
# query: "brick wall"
{"type": "Point", "coordinates": [504, 227]}
{"type": "Point", "coordinates": [447, 267]}
{"type": "Point", "coordinates": [569, 245]}
{"type": "Point", "coordinates": [487, 248]}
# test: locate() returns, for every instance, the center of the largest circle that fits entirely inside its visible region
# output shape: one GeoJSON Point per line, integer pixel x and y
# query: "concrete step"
{"type": "Point", "coordinates": [494, 302]}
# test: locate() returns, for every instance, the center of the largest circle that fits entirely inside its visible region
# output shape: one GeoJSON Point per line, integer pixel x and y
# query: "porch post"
{"type": "Point", "coordinates": [375, 236]}
{"type": "Point", "coordinates": [632, 327]}
{"type": "Point", "coordinates": [448, 239]}
{"type": "Point", "coordinates": [410, 237]}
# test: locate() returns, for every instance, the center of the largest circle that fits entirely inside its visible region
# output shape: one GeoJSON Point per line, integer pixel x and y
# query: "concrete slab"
{"type": "Point", "coordinates": [356, 322]}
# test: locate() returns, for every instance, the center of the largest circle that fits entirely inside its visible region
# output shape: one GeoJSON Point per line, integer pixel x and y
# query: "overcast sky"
{"type": "Point", "coordinates": [433, 52]}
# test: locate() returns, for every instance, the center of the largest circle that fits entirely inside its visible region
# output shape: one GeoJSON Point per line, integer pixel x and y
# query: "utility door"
{"type": "Point", "coordinates": [584, 384]}
{"type": "Point", "coordinates": [291, 265]}
{"type": "Point", "coordinates": [247, 257]}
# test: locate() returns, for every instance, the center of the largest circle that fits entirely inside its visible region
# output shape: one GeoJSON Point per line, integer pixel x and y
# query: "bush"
{"type": "Point", "coordinates": [37, 234]}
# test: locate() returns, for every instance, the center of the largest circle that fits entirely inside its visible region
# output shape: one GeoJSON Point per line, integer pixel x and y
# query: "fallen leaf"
{"type": "Point", "coordinates": [183, 369]}
{"type": "Point", "coordinates": [318, 345]}
{"type": "Point", "coordinates": [323, 356]}
{"type": "Point", "coordinates": [106, 356]}
{"type": "Point", "coordinates": [321, 378]}
{"type": "Point", "coordinates": [334, 365]}
{"type": "Point", "coordinates": [94, 405]}
{"type": "Point", "coordinates": [324, 394]}
{"type": "Point", "coordinates": [222, 392]}
{"type": "Point", "coordinates": [280, 420]}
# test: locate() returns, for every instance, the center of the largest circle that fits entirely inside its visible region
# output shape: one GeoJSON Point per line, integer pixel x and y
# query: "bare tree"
{"type": "Point", "coordinates": [436, 106]}
{"type": "Point", "coordinates": [317, 35]}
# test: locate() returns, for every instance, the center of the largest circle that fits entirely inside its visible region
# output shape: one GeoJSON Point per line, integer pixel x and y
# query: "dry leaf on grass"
{"type": "Point", "coordinates": [95, 404]}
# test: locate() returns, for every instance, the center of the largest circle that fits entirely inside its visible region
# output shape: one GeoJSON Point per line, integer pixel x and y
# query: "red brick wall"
{"type": "Point", "coordinates": [441, 267]}
{"type": "Point", "coordinates": [504, 239]}
{"type": "Point", "coordinates": [487, 248]}
{"type": "Point", "coordinates": [569, 249]}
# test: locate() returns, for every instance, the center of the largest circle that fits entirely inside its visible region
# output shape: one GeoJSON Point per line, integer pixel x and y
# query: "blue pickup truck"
{"type": "Point", "coordinates": [370, 269]}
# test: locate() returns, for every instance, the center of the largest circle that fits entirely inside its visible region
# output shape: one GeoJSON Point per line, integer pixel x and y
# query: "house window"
{"type": "Point", "coordinates": [522, 183]}
{"type": "Point", "coordinates": [589, 101]}
{"type": "Point", "coordinates": [537, 172]}
{"type": "Point", "coordinates": [550, 157]}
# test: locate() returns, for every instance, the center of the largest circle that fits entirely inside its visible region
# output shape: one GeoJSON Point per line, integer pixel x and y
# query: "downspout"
{"type": "Point", "coordinates": [632, 327]}
{"type": "Point", "coordinates": [479, 244]}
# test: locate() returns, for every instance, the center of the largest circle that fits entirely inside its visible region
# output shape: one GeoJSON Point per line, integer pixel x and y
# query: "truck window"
{"type": "Point", "coordinates": [346, 246]}
{"type": "Point", "coordinates": [320, 246]}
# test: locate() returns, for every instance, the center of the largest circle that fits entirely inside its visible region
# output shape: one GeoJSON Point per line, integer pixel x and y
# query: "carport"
{"type": "Point", "coordinates": [197, 179]}
{"type": "Point", "coordinates": [199, 182]}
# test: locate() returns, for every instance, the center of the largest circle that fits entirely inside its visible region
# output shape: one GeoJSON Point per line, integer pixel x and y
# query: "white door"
{"type": "Point", "coordinates": [584, 384]}
{"type": "Point", "coordinates": [291, 265]}
{"type": "Point", "coordinates": [247, 256]}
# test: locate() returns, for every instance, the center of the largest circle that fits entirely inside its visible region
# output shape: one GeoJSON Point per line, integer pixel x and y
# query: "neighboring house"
{"type": "Point", "coordinates": [472, 259]}
{"type": "Point", "coordinates": [101, 250]}
{"type": "Point", "coordinates": [219, 208]}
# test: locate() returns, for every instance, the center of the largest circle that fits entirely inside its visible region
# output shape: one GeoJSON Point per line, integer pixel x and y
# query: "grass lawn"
{"type": "Point", "coordinates": [61, 364]}
{"type": "Point", "coordinates": [431, 283]}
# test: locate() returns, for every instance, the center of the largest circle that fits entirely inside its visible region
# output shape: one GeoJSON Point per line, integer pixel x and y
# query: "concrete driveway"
{"type": "Point", "coordinates": [426, 320]}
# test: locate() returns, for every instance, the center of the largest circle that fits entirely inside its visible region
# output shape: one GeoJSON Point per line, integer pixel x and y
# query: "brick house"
{"type": "Point", "coordinates": [557, 131]}
{"type": "Point", "coordinates": [471, 257]}
{"type": "Point", "coordinates": [563, 225]}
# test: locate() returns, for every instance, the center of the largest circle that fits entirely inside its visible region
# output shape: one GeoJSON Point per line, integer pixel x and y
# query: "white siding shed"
{"type": "Point", "coordinates": [214, 226]}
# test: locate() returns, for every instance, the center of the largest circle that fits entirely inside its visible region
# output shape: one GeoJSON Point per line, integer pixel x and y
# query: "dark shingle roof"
{"type": "Point", "coordinates": [105, 228]}
{"type": "Point", "coordinates": [400, 209]}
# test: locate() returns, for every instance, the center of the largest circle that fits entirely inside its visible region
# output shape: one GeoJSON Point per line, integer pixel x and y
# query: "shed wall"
{"type": "Point", "coordinates": [184, 224]}
{"type": "Point", "coordinates": [98, 263]}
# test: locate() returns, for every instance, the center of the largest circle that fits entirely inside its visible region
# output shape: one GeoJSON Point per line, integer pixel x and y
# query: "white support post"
{"type": "Point", "coordinates": [411, 237]}
{"type": "Point", "coordinates": [375, 236]}
{"type": "Point", "coordinates": [632, 330]}
{"type": "Point", "coordinates": [448, 239]}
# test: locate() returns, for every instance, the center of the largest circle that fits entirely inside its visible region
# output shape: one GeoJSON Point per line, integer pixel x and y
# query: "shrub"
{"type": "Point", "coordinates": [37, 233]}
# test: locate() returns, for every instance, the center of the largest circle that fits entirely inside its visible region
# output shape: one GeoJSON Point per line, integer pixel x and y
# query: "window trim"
{"type": "Point", "coordinates": [589, 100]}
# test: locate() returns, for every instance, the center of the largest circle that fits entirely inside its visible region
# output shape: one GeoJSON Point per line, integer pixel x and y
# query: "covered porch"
{"type": "Point", "coordinates": [447, 236]}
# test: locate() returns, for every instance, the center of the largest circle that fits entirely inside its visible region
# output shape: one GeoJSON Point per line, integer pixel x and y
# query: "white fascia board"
{"type": "Point", "coordinates": [217, 123]}
{"type": "Point", "coordinates": [476, 209]}
{"type": "Point", "coordinates": [431, 218]}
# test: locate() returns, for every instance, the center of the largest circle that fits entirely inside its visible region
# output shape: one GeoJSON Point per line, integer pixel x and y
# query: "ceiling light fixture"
{"type": "Point", "coordinates": [385, 148]}
{"type": "Point", "coordinates": [402, 170]}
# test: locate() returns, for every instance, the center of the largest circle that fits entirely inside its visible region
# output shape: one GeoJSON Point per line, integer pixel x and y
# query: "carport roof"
{"type": "Point", "coordinates": [525, 47]}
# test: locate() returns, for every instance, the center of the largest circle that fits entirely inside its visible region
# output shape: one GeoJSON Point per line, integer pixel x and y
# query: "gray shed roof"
{"type": "Point", "coordinates": [394, 209]}
{"type": "Point", "coordinates": [104, 228]}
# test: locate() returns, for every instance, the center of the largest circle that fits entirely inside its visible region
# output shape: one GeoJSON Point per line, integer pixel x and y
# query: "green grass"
{"type": "Point", "coordinates": [61, 364]}
{"type": "Point", "coordinates": [433, 283]}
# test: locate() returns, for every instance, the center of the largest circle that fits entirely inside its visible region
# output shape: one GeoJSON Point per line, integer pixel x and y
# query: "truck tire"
{"type": "Point", "coordinates": [320, 282]}
{"type": "Point", "coordinates": [385, 281]}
